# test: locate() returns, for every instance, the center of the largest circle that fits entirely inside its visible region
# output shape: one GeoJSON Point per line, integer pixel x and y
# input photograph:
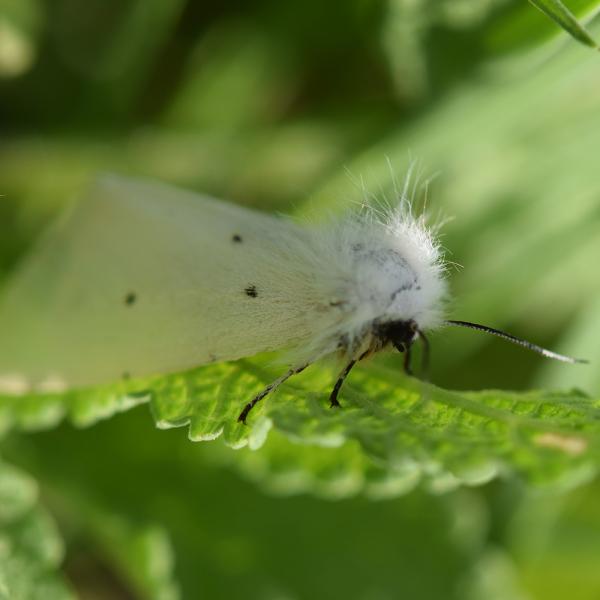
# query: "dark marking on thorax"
{"type": "Point", "coordinates": [406, 287]}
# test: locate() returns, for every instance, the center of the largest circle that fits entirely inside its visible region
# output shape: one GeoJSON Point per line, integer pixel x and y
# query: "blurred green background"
{"type": "Point", "coordinates": [300, 108]}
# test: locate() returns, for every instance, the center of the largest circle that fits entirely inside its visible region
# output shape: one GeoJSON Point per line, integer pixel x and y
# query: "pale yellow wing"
{"type": "Point", "coordinates": [142, 278]}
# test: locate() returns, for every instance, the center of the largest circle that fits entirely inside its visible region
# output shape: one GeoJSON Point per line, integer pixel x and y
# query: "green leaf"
{"type": "Point", "coordinates": [31, 550]}
{"type": "Point", "coordinates": [140, 556]}
{"type": "Point", "coordinates": [411, 430]}
{"type": "Point", "coordinates": [517, 30]}
{"type": "Point", "coordinates": [231, 540]}
{"type": "Point", "coordinates": [560, 14]}
{"type": "Point", "coordinates": [554, 541]}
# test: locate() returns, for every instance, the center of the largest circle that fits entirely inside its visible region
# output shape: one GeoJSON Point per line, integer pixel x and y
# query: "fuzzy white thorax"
{"type": "Point", "coordinates": [375, 268]}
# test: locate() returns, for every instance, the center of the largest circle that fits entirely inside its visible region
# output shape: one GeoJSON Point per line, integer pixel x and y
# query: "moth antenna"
{"type": "Point", "coordinates": [520, 342]}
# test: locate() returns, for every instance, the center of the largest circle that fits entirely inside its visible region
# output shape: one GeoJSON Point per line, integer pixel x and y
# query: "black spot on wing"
{"type": "Point", "coordinates": [130, 298]}
{"type": "Point", "coordinates": [251, 291]}
{"type": "Point", "coordinates": [237, 238]}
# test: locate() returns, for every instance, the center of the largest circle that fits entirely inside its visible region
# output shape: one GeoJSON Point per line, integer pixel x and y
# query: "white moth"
{"type": "Point", "coordinates": [142, 278]}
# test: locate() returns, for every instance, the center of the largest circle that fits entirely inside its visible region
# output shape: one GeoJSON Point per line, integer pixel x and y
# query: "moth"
{"type": "Point", "coordinates": [141, 278]}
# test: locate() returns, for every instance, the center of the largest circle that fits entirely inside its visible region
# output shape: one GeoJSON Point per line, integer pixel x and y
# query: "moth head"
{"type": "Point", "coordinates": [400, 334]}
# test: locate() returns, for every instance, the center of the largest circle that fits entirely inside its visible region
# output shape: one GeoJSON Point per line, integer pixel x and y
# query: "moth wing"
{"type": "Point", "coordinates": [142, 278]}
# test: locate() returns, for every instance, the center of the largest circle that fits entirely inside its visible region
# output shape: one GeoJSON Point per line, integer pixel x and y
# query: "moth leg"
{"type": "Point", "coordinates": [270, 388]}
{"type": "Point", "coordinates": [425, 356]}
{"type": "Point", "coordinates": [405, 349]}
{"type": "Point", "coordinates": [407, 356]}
{"type": "Point", "coordinates": [333, 401]}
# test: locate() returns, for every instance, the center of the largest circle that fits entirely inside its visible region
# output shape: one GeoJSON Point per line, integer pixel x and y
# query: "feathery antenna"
{"type": "Point", "coordinates": [520, 342]}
